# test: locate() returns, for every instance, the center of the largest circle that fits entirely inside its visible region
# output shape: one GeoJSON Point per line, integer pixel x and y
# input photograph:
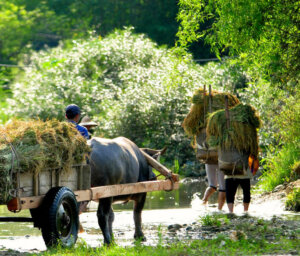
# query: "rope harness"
{"type": "Point", "coordinates": [172, 182]}
{"type": "Point", "coordinates": [14, 192]}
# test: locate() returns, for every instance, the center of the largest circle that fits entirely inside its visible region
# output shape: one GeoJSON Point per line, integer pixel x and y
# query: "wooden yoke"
{"type": "Point", "coordinates": [227, 112]}
{"type": "Point", "coordinates": [210, 100]}
{"type": "Point", "coordinates": [160, 168]}
{"type": "Point", "coordinates": [204, 106]}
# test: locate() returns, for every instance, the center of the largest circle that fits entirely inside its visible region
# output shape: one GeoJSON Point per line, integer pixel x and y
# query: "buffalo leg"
{"type": "Point", "coordinates": [111, 219]}
{"type": "Point", "coordinates": [103, 214]}
{"type": "Point", "coordinates": [139, 203]}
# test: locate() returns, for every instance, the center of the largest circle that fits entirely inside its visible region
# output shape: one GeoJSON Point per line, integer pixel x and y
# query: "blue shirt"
{"type": "Point", "coordinates": [83, 131]}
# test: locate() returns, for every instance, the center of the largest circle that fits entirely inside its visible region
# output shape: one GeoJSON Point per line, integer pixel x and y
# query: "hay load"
{"type": "Point", "coordinates": [196, 119]}
{"type": "Point", "coordinates": [241, 133]}
{"type": "Point", "coordinates": [236, 137]}
{"type": "Point", "coordinates": [38, 145]}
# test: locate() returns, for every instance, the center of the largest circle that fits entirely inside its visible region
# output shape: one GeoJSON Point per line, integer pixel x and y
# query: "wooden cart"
{"type": "Point", "coordinates": [53, 198]}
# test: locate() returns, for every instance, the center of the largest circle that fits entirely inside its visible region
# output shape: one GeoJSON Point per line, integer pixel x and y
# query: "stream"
{"type": "Point", "coordinates": [162, 209]}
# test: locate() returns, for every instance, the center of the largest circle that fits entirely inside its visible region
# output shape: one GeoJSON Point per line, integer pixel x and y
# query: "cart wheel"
{"type": "Point", "coordinates": [60, 220]}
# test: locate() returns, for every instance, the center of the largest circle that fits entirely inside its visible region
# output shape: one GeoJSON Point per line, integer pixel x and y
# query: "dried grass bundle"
{"type": "Point", "coordinates": [197, 117]}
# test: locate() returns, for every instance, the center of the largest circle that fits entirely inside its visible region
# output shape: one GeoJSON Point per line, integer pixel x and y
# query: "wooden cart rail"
{"type": "Point", "coordinates": [17, 204]}
{"type": "Point", "coordinates": [95, 193]}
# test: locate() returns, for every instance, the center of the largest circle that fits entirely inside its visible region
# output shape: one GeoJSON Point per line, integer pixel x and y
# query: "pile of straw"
{"type": "Point", "coordinates": [197, 117]}
{"type": "Point", "coordinates": [241, 133]}
{"type": "Point", "coordinates": [39, 145]}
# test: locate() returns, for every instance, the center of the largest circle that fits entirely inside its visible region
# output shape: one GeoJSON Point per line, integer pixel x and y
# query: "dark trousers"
{"type": "Point", "coordinates": [231, 187]}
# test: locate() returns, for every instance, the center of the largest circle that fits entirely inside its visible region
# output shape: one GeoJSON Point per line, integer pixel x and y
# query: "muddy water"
{"type": "Point", "coordinates": [162, 208]}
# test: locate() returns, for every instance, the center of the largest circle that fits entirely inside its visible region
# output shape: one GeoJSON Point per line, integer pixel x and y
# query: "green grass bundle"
{"type": "Point", "coordinates": [242, 131]}
{"type": "Point", "coordinates": [197, 117]}
{"type": "Point", "coordinates": [39, 145]}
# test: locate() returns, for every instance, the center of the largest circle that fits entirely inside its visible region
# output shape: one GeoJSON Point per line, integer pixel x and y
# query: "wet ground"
{"type": "Point", "coordinates": [181, 209]}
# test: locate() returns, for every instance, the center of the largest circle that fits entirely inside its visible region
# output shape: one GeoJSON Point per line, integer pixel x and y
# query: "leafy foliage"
{"type": "Point", "coordinates": [14, 20]}
{"type": "Point", "coordinates": [23, 27]}
{"type": "Point", "coordinates": [34, 27]}
{"type": "Point", "coordinates": [279, 134]}
{"type": "Point", "coordinates": [39, 24]}
{"type": "Point", "coordinates": [293, 200]}
{"type": "Point", "coordinates": [3, 105]}
{"type": "Point", "coordinates": [264, 34]}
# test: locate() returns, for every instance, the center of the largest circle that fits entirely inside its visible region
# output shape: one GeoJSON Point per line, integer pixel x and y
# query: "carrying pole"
{"type": "Point", "coordinates": [210, 99]}
{"type": "Point", "coordinates": [227, 112]}
{"type": "Point", "coordinates": [204, 109]}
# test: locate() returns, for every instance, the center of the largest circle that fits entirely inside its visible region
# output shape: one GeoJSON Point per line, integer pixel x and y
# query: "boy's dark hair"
{"type": "Point", "coordinates": [72, 110]}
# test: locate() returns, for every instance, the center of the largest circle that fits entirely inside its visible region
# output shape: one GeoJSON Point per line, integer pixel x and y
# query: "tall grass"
{"type": "Point", "coordinates": [279, 166]}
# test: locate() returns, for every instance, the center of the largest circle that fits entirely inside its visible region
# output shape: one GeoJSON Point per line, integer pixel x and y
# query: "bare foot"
{"type": "Point", "coordinates": [204, 203]}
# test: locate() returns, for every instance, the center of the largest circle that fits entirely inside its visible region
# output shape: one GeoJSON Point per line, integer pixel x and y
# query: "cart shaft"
{"type": "Point", "coordinates": [95, 193]}
{"type": "Point", "coordinates": [16, 219]}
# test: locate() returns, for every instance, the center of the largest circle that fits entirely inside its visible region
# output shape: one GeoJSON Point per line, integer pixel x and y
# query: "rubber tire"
{"type": "Point", "coordinates": [57, 202]}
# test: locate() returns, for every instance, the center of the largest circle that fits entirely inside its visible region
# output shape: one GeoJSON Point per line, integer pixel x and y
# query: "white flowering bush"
{"type": "Point", "coordinates": [125, 81]}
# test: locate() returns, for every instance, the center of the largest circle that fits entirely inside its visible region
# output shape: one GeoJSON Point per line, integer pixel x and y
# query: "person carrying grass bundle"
{"type": "Point", "coordinates": [231, 183]}
{"type": "Point", "coordinates": [73, 113]}
{"type": "Point", "coordinates": [215, 177]}
{"type": "Point", "coordinates": [204, 103]}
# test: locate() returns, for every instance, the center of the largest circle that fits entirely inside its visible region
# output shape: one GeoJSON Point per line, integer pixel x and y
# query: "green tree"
{"type": "Point", "coordinates": [75, 18]}
{"type": "Point", "coordinates": [35, 24]}
{"type": "Point", "coordinates": [22, 29]}
{"type": "Point", "coordinates": [264, 34]}
{"type": "Point", "coordinates": [155, 18]}
{"type": "Point", "coordinates": [15, 26]}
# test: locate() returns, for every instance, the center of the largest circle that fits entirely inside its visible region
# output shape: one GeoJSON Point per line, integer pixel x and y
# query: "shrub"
{"type": "Point", "coordinates": [293, 200]}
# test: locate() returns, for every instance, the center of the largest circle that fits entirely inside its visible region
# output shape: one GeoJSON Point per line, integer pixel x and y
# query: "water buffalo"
{"type": "Point", "coordinates": [119, 161]}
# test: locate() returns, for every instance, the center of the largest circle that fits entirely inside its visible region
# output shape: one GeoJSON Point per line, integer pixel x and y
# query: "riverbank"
{"type": "Point", "coordinates": [279, 193]}
{"type": "Point", "coordinates": [218, 234]}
